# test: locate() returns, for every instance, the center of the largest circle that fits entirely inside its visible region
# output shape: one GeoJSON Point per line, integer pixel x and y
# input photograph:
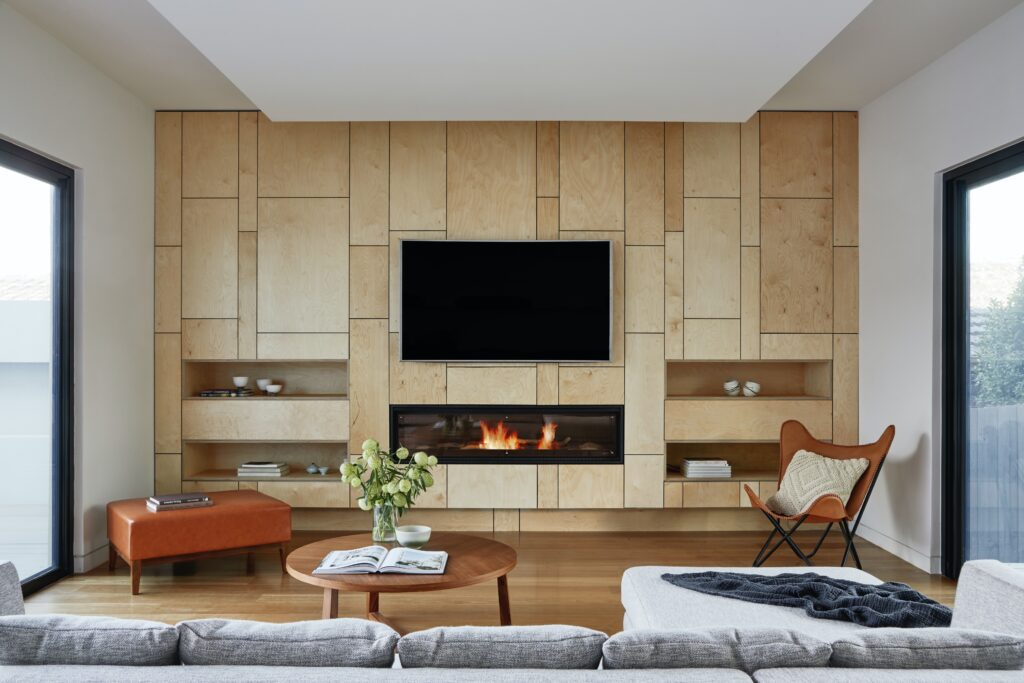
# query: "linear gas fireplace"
{"type": "Point", "coordinates": [511, 434]}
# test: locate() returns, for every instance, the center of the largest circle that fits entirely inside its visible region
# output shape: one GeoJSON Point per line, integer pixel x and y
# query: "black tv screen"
{"type": "Point", "coordinates": [506, 301]}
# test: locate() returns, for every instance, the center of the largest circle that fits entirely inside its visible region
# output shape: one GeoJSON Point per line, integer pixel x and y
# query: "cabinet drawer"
{"type": "Point", "coordinates": [741, 419]}
{"type": "Point", "coordinates": [264, 420]}
{"type": "Point", "coordinates": [308, 494]}
{"type": "Point", "coordinates": [711, 494]}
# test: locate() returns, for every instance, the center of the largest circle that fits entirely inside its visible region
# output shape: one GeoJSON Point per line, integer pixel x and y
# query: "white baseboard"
{"type": "Point", "coordinates": [926, 563]}
{"type": "Point", "coordinates": [91, 559]}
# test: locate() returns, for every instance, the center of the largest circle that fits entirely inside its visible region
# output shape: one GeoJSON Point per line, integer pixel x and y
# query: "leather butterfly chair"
{"type": "Point", "coordinates": [827, 509]}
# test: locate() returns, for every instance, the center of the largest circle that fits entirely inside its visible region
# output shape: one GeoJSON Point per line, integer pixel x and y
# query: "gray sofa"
{"type": "Point", "coordinates": [697, 642]}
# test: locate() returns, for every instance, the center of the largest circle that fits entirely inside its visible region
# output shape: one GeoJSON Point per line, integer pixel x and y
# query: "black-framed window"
{"type": "Point", "coordinates": [36, 365]}
{"type": "Point", "coordinates": [983, 361]}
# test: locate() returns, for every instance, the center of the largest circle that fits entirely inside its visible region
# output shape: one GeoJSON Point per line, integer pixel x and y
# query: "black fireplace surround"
{"type": "Point", "coordinates": [512, 435]}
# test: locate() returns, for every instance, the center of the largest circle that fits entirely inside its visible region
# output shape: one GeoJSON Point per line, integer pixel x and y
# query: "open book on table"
{"type": "Point", "coordinates": [378, 559]}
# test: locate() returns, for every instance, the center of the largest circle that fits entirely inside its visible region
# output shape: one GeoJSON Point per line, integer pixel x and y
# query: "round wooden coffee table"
{"type": "Point", "coordinates": [471, 560]}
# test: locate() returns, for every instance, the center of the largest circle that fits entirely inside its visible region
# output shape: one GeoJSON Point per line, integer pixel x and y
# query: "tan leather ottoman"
{"type": "Point", "coordinates": [237, 522]}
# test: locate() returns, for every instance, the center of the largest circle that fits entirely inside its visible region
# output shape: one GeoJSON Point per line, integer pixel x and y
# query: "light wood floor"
{"type": "Point", "coordinates": [570, 578]}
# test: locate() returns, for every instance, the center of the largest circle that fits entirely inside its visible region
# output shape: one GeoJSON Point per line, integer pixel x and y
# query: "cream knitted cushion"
{"type": "Point", "coordinates": [811, 476]}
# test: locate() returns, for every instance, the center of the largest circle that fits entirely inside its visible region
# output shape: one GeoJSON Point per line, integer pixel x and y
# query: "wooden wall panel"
{"type": "Point", "coordinates": [167, 393]}
{"type": "Point", "coordinates": [368, 282]}
{"type": "Point", "coordinates": [208, 486]}
{"type": "Point", "coordinates": [167, 473]}
{"type": "Point", "coordinates": [711, 160]}
{"type": "Point", "coordinates": [547, 486]}
{"type": "Point", "coordinates": [394, 288]}
{"type": "Point", "coordinates": [796, 346]}
{"type": "Point", "coordinates": [307, 494]}
{"type": "Point", "coordinates": [644, 478]}
{"type": "Point", "coordinates": [590, 486]}
{"type": "Point", "coordinates": [301, 346]}
{"type": "Point", "coordinates": [303, 265]}
{"type": "Point", "coordinates": [673, 493]}
{"type": "Point", "coordinates": [416, 382]}
{"type": "Point", "coordinates": [711, 494]}
{"type": "Point", "coordinates": [645, 391]}
{"type": "Point", "coordinates": [167, 289]}
{"type": "Point", "coordinates": [645, 183]}
{"type": "Point", "coordinates": [750, 181]}
{"type": "Point", "coordinates": [492, 385]}
{"type": "Point", "coordinates": [302, 159]}
{"type": "Point", "coordinates": [209, 338]}
{"type": "Point", "coordinates": [846, 172]}
{"type": "Point", "coordinates": [209, 154]}
{"type": "Point", "coordinates": [750, 302]}
{"type": "Point", "coordinates": [369, 183]}
{"type": "Point", "coordinates": [645, 289]}
{"type": "Point", "coordinates": [368, 383]}
{"type": "Point", "coordinates": [796, 265]}
{"type": "Point", "coordinates": [847, 300]}
{"type": "Point", "coordinates": [271, 419]}
{"type": "Point", "coordinates": [547, 218]}
{"type": "Point", "coordinates": [209, 258]}
{"type": "Point", "coordinates": [437, 495]}
{"type": "Point", "coordinates": [167, 178]}
{"type": "Point", "coordinates": [492, 180]}
{"type": "Point", "coordinates": [673, 177]}
{"type": "Point", "coordinates": [725, 420]}
{"type": "Point", "coordinates": [796, 154]}
{"type": "Point", "coordinates": [547, 158]}
{"type": "Point", "coordinates": [247, 266]}
{"type": "Point", "coordinates": [712, 259]}
{"type": "Point", "coordinates": [418, 176]}
{"type": "Point", "coordinates": [248, 140]}
{"type": "Point", "coordinates": [591, 175]}
{"type": "Point", "coordinates": [846, 397]}
{"type": "Point", "coordinates": [711, 338]}
{"type": "Point", "coordinates": [547, 383]}
{"type": "Point", "coordinates": [486, 486]}
{"type": "Point", "coordinates": [582, 385]}
{"type": "Point", "coordinates": [674, 285]}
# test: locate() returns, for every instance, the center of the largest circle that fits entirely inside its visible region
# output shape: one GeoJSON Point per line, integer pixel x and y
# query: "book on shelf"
{"type": "Point", "coordinates": [375, 559]}
{"type": "Point", "coordinates": [225, 393]}
{"type": "Point", "coordinates": [153, 507]}
{"type": "Point", "coordinates": [706, 469]}
{"type": "Point", "coordinates": [263, 469]}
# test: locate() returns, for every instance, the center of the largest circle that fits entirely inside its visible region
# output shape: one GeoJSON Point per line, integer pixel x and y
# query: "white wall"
{"type": "Point", "coordinates": [56, 103]}
{"type": "Point", "coordinates": [961, 106]}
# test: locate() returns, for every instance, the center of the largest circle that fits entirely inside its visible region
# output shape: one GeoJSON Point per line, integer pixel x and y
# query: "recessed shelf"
{"type": "Point", "coordinates": [219, 460]}
{"type": "Point", "coordinates": [232, 475]}
{"type": "Point", "coordinates": [719, 397]}
{"type": "Point", "coordinates": [737, 475]}
{"type": "Point", "coordinates": [278, 397]}
{"type": "Point", "coordinates": [305, 378]}
{"type": "Point", "coordinates": [779, 379]}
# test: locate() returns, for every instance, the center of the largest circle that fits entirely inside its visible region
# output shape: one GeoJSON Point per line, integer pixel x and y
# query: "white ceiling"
{"type": "Point", "coordinates": [695, 60]}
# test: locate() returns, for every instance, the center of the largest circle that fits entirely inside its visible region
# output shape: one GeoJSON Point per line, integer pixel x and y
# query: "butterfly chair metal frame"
{"type": "Point", "coordinates": [827, 509]}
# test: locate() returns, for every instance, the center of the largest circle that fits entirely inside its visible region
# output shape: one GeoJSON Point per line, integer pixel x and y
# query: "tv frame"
{"type": "Point", "coordinates": [611, 308]}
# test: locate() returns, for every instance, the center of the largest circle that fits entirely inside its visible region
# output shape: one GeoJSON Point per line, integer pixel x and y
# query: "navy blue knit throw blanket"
{"type": "Point", "coordinates": [821, 597]}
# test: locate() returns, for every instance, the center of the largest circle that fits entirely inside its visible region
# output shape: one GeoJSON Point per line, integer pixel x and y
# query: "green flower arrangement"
{"type": "Point", "coordinates": [390, 482]}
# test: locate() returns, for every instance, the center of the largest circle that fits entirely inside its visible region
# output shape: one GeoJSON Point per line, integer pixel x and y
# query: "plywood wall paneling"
{"type": "Point", "coordinates": [167, 474]}
{"type": "Point", "coordinates": [847, 300]}
{"type": "Point", "coordinates": [167, 289]}
{"type": "Point", "coordinates": [711, 494]}
{"type": "Point", "coordinates": [167, 393]}
{"type": "Point", "coordinates": [368, 282]}
{"type": "Point", "coordinates": [208, 486]}
{"type": "Point", "coordinates": [645, 392]}
{"type": "Point", "coordinates": [302, 159]}
{"type": "Point", "coordinates": [712, 258]}
{"type": "Point", "coordinates": [209, 258]}
{"type": "Point", "coordinates": [796, 154]}
{"type": "Point", "coordinates": [711, 160]}
{"type": "Point", "coordinates": [591, 175]}
{"type": "Point", "coordinates": [394, 263]}
{"type": "Point", "coordinates": [247, 265]}
{"type": "Point", "coordinates": [369, 183]}
{"type": "Point", "coordinates": [645, 289]}
{"type": "Point", "coordinates": [750, 181]}
{"type": "Point", "coordinates": [486, 486]}
{"type": "Point", "coordinates": [209, 338]}
{"type": "Point", "coordinates": [209, 158]}
{"type": "Point", "coordinates": [582, 385]}
{"type": "Point", "coordinates": [368, 383]}
{"type": "Point", "coordinates": [547, 158]}
{"type": "Point", "coordinates": [303, 265]}
{"type": "Point", "coordinates": [437, 495]}
{"type": "Point", "coordinates": [846, 172]}
{"type": "Point", "coordinates": [167, 178]}
{"type": "Point", "coordinates": [796, 265]}
{"type": "Point", "coordinates": [355, 519]}
{"type": "Point", "coordinates": [796, 346]}
{"type": "Point", "coordinates": [699, 519]}
{"type": "Point", "coordinates": [302, 346]}
{"type": "Point", "coordinates": [418, 176]}
{"type": "Point", "coordinates": [547, 486]}
{"type": "Point", "coordinates": [416, 382]}
{"type": "Point", "coordinates": [271, 419]}
{"type": "Point", "coordinates": [307, 494]}
{"type": "Point", "coordinates": [673, 177]}
{"type": "Point", "coordinates": [590, 486]}
{"type": "Point", "coordinates": [547, 383]}
{"type": "Point", "coordinates": [645, 183]}
{"type": "Point", "coordinates": [618, 284]}
{"type": "Point", "coordinates": [673, 494]}
{"type": "Point", "coordinates": [674, 309]}
{"type": "Point", "coordinates": [248, 127]}
{"type": "Point", "coordinates": [750, 302]}
{"type": "Point", "coordinates": [644, 481]}
{"type": "Point", "coordinates": [492, 180]}
{"type": "Point", "coordinates": [846, 398]}
{"type": "Point", "coordinates": [755, 486]}
{"type": "Point", "coordinates": [721, 419]}
{"type": "Point", "coordinates": [506, 520]}
{"type": "Point", "coordinates": [711, 338]}
{"type": "Point", "coordinates": [547, 218]}
{"type": "Point", "coordinates": [492, 385]}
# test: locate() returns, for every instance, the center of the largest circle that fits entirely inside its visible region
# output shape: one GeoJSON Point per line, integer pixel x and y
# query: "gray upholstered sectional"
{"type": "Point", "coordinates": [671, 635]}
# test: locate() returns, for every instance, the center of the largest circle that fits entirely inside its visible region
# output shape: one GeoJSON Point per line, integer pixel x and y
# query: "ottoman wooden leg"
{"type": "Point", "coordinates": [283, 552]}
{"type": "Point", "coordinates": [250, 564]}
{"type": "Point", "coordinates": [111, 557]}
{"type": "Point", "coordinates": [136, 575]}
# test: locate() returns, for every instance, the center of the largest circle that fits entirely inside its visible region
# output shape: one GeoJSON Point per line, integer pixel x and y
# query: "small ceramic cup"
{"type": "Point", "coordinates": [323, 470]}
{"type": "Point", "coordinates": [751, 388]}
{"type": "Point", "coordinates": [413, 535]}
{"type": "Point", "coordinates": [731, 387]}
{"type": "Point", "coordinates": [240, 381]}
{"type": "Point", "coordinates": [274, 388]}
{"type": "Point", "coordinates": [263, 382]}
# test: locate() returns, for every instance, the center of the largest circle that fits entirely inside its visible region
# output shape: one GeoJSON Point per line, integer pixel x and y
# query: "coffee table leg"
{"type": "Point", "coordinates": [372, 604]}
{"type": "Point", "coordinates": [330, 609]}
{"type": "Point", "coordinates": [503, 608]}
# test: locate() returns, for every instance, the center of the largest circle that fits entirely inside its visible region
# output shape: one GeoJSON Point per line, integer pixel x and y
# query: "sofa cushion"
{"type": "Point", "coordinates": [990, 597]}
{"type": "Point", "coordinates": [928, 648]}
{"type": "Point", "coordinates": [502, 647]}
{"type": "Point", "coordinates": [11, 601]}
{"type": "Point", "coordinates": [884, 676]}
{"type": "Point", "coordinates": [331, 642]}
{"type": "Point", "coordinates": [64, 639]}
{"type": "Point", "coordinates": [747, 649]}
{"type": "Point", "coordinates": [811, 476]}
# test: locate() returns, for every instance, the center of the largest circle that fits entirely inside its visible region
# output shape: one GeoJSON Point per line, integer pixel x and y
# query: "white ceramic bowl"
{"type": "Point", "coordinates": [240, 381]}
{"type": "Point", "coordinates": [263, 382]}
{"type": "Point", "coordinates": [751, 388]}
{"type": "Point", "coordinates": [413, 535]}
{"type": "Point", "coordinates": [274, 388]}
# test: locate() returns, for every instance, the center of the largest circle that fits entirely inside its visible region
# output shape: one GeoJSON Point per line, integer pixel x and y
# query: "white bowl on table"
{"type": "Point", "coordinates": [413, 535]}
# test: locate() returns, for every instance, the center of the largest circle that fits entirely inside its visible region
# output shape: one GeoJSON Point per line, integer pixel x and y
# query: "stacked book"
{"type": "Point", "coordinates": [263, 469]}
{"type": "Point", "coordinates": [225, 393]}
{"type": "Point", "coordinates": [707, 469]}
{"type": "Point", "coordinates": [178, 501]}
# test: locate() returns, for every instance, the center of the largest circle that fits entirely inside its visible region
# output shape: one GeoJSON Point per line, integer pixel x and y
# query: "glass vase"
{"type": "Point", "coordinates": [384, 524]}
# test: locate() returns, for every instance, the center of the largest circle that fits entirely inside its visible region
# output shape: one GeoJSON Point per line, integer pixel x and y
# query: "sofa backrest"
{"type": "Point", "coordinates": [11, 600]}
{"type": "Point", "coordinates": [990, 597]}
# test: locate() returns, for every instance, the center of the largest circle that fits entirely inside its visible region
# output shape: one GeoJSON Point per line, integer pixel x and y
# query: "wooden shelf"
{"type": "Point", "coordinates": [779, 379]}
{"type": "Point", "coordinates": [760, 397]}
{"type": "Point", "coordinates": [232, 475]}
{"type": "Point", "coordinates": [737, 475]}
{"type": "Point", "coordinates": [278, 397]}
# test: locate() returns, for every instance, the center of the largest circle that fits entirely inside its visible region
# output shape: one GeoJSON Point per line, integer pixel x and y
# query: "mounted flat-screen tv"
{"type": "Point", "coordinates": [505, 301]}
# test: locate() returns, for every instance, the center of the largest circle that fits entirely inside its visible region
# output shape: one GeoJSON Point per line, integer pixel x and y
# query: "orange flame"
{"type": "Point", "coordinates": [547, 439]}
{"type": "Point", "coordinates": [500, 437]}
